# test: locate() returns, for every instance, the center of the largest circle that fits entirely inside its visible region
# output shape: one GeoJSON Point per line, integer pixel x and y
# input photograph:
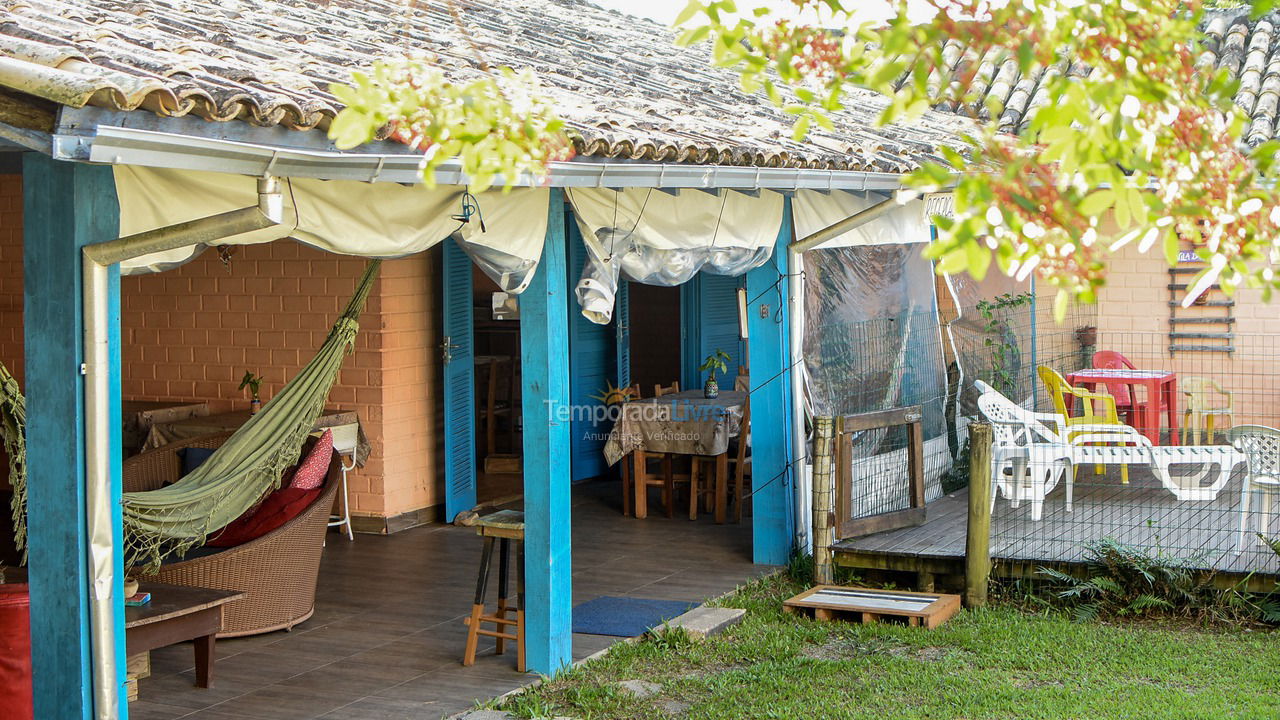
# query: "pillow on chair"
{"type": "Point", "coordinates": [300, 486]}
{"type": "Point", "coordinates": [279, 508]}
{"type": "Point", "coordinates": [311, 472]}
{"type": "Point", "coordinates": [194, 457]}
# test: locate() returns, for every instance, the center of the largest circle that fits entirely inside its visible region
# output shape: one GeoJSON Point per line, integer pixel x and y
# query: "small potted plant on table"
{"type": "Point", "coordinates": [716, 361]}
{"type": "Point", "coordinates": [253, 382]}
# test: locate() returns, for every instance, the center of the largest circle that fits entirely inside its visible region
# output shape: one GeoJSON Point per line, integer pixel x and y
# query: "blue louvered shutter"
{"type": "Point", "coordinates": [459, 383]}
{"type": "Point", "coordinates": [711, 317]}
{"type": "Point", "coordinates": [591, 371]}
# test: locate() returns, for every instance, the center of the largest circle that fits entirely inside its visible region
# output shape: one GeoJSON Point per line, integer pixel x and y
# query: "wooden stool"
{"type": "Point", "coordinates": [503, 526]}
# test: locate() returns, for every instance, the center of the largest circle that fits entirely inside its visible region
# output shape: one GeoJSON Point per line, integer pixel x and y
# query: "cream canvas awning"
{"type": "Point", "coordinates": [664, 238]}
{"type": "Point", "coordinates": [816, 211]}
{"type": "Point", "coordinates": [383, 220]}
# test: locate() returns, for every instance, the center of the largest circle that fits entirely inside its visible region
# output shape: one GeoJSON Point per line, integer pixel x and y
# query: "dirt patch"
{"type": "Point", "coordinates": [837, 648]}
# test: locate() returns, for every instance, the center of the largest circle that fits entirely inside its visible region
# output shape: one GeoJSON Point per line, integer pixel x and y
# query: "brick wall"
{"type": "Point", "coordinates": [1134, 319]}
{"type": "Point", "coordinates": [11, 273]}
{"type": "Point", "coordinates": [191, 333]}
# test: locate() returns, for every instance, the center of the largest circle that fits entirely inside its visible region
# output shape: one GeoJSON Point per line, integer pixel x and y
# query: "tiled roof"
{"type": "Point", "coordinates": [624, 88]}
{"type": "Point", "coordinates": [1250, 49]}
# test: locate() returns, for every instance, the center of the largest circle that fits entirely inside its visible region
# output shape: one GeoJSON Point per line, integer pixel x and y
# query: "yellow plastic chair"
{"type": "Point", "coordinates": [1204, 402]}
{"type": "Point", "coordinates": [1092, 408]}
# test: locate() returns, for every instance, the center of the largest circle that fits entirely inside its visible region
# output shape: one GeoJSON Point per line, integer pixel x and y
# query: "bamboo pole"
{"type": "Point", "coordinates": [978, 535]}
{"type": "Point", "coordinates": [823, 471]}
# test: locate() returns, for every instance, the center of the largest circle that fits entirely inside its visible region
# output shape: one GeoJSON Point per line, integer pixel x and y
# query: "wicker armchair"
{"type": "Point", "coordinates": [277, 571]}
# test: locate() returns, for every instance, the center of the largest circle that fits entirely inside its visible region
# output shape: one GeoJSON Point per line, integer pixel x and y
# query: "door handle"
{"type": "Point", "coordinates": [446, 350]}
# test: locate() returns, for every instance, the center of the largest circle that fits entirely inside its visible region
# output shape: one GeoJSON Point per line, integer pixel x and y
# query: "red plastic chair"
{"type": "Point", "coordinates": [1123, 393]}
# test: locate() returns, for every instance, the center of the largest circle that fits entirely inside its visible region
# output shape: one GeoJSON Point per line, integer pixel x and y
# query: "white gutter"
{"type": "Point", "coordinates": [95, 261]}
{"type": "Point", "coordinates": [129, 146]}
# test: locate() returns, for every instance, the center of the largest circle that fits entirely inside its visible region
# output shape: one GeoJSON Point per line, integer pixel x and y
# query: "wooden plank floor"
{"type": "Point", "coordinates": [386, 640]}
{"type": "Point", "coordinates": [1142, 514]}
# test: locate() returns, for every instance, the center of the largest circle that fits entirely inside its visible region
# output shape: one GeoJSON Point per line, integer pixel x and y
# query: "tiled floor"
{"type": "Point", "coordinates": [387, 635]}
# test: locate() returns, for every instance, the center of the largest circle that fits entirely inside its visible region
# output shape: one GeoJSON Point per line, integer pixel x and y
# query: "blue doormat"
{"type": "Point", "coordinates": [625, 616]}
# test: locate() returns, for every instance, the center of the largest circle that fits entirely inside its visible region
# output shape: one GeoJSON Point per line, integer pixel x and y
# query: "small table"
{"type": "Point", "coordinates": [170, 432]}
{"type": "Point", "coordinates": [1159, 384]}
{"type": "Point", "coordinates": [177, 614]}
{"type": "Point", "coordinates": [684, 423]}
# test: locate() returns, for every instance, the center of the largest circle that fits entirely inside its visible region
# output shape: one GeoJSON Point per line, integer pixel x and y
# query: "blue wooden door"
{"type": "Point", "coordinates": [459, 383]}
{"type": "Point", "coordinates": [592, 350]}
{"type": "Point", "coordinates": [709, 304]}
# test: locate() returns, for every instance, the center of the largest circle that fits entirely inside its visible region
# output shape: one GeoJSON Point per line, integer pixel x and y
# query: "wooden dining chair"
{"type": "Point", "coordinates": [628, 487]}
{"type": "Point", "coordinates": [663, 476]}
{"type": "Point", "coordinates": [702, 473]}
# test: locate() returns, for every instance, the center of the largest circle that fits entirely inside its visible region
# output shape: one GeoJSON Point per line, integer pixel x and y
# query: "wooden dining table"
{"type": "Point", "coordinates": [1160, 385]}
{"type": "Point", "coordinates": [683, 423]}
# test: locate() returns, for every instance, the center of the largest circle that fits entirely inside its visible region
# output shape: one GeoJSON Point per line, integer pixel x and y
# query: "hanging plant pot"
{"type": "Point", "coordinates": [712, 388]}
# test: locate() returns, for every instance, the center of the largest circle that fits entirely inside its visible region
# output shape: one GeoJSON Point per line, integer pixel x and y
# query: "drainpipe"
{"type": "Point", "coordinates": [96, 260]}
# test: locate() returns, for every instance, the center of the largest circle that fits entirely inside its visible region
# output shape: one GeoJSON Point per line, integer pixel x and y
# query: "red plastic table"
{"type": "Point", "coordinates": [1158, 384]}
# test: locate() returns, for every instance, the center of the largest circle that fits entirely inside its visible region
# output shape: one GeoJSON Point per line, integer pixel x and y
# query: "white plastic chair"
{"type": "Point", "coordinates": [1035, 455]}
{"type": "Point", "coordinates": [1261, 448]}
{"type": "Point", "coordinates": [346, 438]}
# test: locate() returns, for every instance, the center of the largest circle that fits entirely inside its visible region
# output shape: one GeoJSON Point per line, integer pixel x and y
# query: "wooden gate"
{"type": "Point", "coordinates": [846, 427]}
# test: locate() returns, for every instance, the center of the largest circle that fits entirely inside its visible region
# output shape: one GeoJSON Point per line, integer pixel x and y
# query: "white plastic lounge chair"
{"type": "Point", "coordinates": [1021, 433]}
{"type": "Point", "coordinates": [1261, 447]}
{"type": "Point", "coordinates": [1028, 457]}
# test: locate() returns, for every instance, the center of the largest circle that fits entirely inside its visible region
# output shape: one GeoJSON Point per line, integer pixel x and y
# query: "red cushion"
{"type": "Point", "coordinates": [279, 508]}
{"type": "Point", "coordinates": [311, 472]}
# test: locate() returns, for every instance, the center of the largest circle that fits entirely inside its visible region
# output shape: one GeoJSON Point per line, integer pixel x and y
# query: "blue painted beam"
{"type": "Point", "coordinates": [772, 520]}
{"type": "Point", "coordinates": [65, 207]}
{"type": "Point", "coordinates": [544, 370]}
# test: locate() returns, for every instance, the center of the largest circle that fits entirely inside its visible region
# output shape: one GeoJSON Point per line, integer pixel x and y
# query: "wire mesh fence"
{"type": "Point", "coordinates": [880, 364]}
{"type": "Point", "coordinates": [1189, 499]}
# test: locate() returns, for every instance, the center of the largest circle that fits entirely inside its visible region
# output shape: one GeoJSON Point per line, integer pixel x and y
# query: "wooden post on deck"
{"type": "Point", "coordinates": [823, 527]}
{"type": "Point", "coordinates": [977, 546]}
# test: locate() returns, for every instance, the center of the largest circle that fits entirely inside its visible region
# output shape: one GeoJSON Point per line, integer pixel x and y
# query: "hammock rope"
{"type": "Point", "coordinates": [248, 466]}
{"type": "Point", "coordinates": [13, 423]}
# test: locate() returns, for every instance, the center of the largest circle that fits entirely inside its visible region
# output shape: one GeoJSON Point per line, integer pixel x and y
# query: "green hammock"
{"type": "Point", "coordinates": [176, 518]}
{"type": "Point", "coordinates": [13, 423]}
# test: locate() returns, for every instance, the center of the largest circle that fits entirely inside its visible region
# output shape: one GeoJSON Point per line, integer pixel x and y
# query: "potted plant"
{"type": "Point", "coordinates": [253, 382]}
{"type": "Point", "coordinates": [716, 361]}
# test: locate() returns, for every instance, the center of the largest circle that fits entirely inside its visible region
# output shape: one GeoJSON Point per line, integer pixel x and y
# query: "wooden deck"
{"type": "Point", "coordinates": [1142, 514]}
{"type": "Point", "coordinates": [386, 640]}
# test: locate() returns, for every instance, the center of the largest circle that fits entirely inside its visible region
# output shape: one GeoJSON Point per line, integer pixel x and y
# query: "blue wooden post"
{"type": "Point", "coordinates": [544, 357]}
{"type": "Point", "coordinates": [772, 519]}
{"type": "Point", "coordinates": [65, 207]}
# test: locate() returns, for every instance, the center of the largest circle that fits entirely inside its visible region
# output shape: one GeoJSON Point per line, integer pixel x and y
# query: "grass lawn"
{"type": "Point", "coordinates": [996, 663]}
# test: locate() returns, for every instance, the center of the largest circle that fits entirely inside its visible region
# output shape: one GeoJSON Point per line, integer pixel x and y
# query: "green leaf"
{"type": "Point", "coordinates": [801, 128]}
{"type": "Point", "coordinates": [693, 36]}
{"type": "Point", "coordinates": [978, 258]}
{"type": "Point", "coordinates": [1171, 247]}
{"type": "Point", "coordinates": [1060, 303]}
{"type": "Point", "coordinates": [1097, 202]}
{"type": "Point", "coordinates": [693, 8]}
{"type": "Point", "coordinates": [349, 129]}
